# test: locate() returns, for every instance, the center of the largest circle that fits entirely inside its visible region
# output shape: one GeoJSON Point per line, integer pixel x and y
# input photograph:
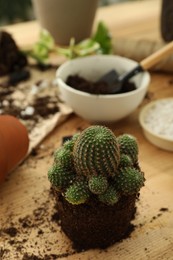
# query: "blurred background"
{"type": "Point", "coordinates": [13, 11]}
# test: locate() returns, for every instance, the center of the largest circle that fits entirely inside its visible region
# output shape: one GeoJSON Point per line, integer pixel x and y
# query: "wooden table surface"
{"type": "Point", "coordinates": [25, 194]}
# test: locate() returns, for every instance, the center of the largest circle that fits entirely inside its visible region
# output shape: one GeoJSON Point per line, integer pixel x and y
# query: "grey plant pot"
{"type": "Point", "coordinates": [65, 19]}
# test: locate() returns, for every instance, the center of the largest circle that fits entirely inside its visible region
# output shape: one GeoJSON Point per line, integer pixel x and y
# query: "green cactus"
{"type": "Point", "coordinates": [60, 177]}
{"type": "Point", "coordinates": [110, 197]}
{"type": "Point", "coordinates": [129, 146]}
{"type": "Point", "coordinates": [96, 152]}
{"type": "Point", "coordinates": [97, 164]}
{"type": "Point", "coordinates": [77, 193]}
{"type": "Point", "coordinates": [125, 161]}
{"type": "Point", "coordinates": [98, 184]}
{"type": "Point", "coordinates": [70, 143]}
{"type": "Point", "coordinates": [129, 181]}
{"type": "Point", "coordinates": [63, 156]}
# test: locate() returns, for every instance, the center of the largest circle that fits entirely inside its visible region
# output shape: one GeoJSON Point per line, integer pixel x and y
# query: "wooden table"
{"type": "Point", "coordinates": [25, 195]}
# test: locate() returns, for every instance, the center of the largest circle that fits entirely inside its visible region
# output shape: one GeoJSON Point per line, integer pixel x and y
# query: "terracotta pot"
{"type": "Point", "coordinates": [3, 159]}
{"type": "Point", "coordinates": [14, 143]}
{"type": "Point", "coordinates": [65, 19]}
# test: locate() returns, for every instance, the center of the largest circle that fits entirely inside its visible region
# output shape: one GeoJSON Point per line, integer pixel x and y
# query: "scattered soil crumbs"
{"type": "Point", "coordinates": [31, 101]}
{"type": "Point", "coordinates": [161, 211]}
{"type": "Point", "coordinates": [11, 231]}
{"type": "Point", "coordinates": [164, 209]}
{"type": "Point", "coordinates": [29, 237]}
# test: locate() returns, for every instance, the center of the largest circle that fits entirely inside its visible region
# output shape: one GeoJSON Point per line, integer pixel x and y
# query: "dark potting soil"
{"type": "Point", "coordinates": [101, 87]}
{"type": "Point", "coordinates": [94, 224]}
{"type": "Point", "coordinates": [11, 58]}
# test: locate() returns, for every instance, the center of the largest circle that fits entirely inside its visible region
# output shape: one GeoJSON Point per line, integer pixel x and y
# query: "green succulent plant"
{"type": "Point", "coordinates": [96, 152]}
{"type": "Point", "coordinates": [110, 196]}
{"type": "Point", "coordinates": [97, 164]}
{"type": "Point", "coordinates": [77, 193]}
{"type": "Point", "coordinates": [60, 177]}
{"type": "Point", "coordinates": [70, 143]}
{"type": "Point", "coordinates": [63, 156]}
{"type": "Point", "coordinates": [125, 161]}
{"type": "Point", "coordinates": [128, 145]}
{"type": "Point", "coordinates": [98, 184]}
{"type": "Point", "coordinates": [129, 181]}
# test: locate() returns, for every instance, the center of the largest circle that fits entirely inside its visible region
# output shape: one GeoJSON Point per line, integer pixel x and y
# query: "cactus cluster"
{"type": "Point", "coordinates": [97, 164]}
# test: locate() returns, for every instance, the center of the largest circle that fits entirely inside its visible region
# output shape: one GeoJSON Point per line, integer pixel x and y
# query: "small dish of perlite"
{"type": "Point", "coordinates": [156, 119]}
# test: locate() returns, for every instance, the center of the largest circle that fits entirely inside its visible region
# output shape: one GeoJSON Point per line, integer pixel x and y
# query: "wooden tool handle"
{"type": "Point", "coordinates": [157, 56]}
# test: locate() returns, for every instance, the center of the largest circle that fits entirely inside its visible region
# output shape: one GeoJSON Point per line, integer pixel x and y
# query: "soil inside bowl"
{"type": "Point", "coordinates": [101, 87]}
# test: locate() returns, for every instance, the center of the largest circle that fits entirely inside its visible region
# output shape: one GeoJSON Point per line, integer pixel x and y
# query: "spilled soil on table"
{"type": "Point", "coordinates": [16, 234]}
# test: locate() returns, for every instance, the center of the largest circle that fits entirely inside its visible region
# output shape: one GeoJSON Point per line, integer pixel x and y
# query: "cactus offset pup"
{"type": "Point", "coordinates": [96, 180]}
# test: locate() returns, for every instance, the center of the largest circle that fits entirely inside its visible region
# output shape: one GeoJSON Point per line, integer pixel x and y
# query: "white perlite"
{"type": "Point", "coordinates": [159, 118]}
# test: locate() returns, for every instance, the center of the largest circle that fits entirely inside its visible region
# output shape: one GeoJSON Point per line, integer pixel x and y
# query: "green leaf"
{"type": "Point", "coordinates": [41, 49]}
{"type": "Point", "coordinates": [69, 51]}
{"type": "Point", "coordinates": [84, 48]}
{"type": "Point", "coordinates": [102, 36]}
{"type": "Point", "coordinates": [87, 47]}
{"type": "Point", "coordinates": [46, 39]}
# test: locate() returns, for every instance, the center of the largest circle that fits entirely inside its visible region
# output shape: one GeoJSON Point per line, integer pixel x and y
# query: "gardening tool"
{"type": "Point", "coordinates": [115, 81]}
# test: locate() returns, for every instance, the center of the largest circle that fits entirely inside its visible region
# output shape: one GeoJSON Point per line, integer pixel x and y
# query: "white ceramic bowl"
{"type": "Point", "coordinates": [101, 108]}
{"type": "Point", "coordinates": [156, 119]}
